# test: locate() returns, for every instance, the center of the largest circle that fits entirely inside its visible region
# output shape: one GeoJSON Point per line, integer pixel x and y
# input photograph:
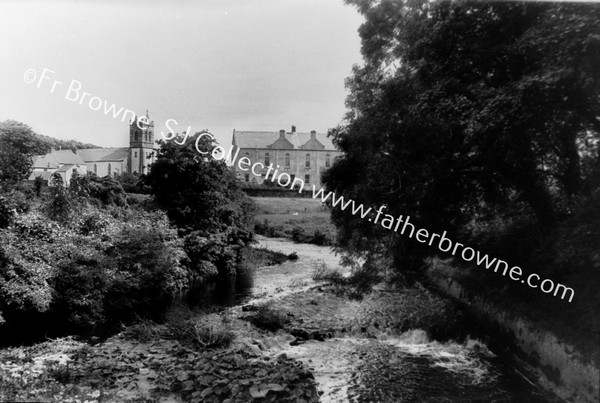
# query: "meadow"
{"type": "Point", "coordinates": [301, 219]}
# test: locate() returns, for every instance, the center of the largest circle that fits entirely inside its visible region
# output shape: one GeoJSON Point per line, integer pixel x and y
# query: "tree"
{"type": "Point", "coordinates": [203, 199]}
{"type": "Point", "coordinates": [18, 143]}
{"type": "Point", "coordinates": [463, 108]}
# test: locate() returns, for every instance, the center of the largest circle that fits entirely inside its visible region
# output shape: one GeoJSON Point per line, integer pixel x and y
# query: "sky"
{"type": "Point", "coordinates": [220, 65]}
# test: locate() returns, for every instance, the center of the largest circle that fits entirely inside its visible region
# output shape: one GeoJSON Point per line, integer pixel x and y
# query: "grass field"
{"type": "Point", "coordinates": [301, 219]}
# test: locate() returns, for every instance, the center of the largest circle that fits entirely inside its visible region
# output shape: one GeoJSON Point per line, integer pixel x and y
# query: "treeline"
{"type": "Point", "coordinates": [480, 119]}
{"type": "Point", "coordinates": [39, 143]}
{"type": "Point", "coordinates": [90, 258]}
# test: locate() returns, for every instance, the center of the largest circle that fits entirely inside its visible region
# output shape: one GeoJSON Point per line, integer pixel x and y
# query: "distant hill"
{"type": "Point", "coordinates": [24, 139]}
{"type": "Point", "coordinates": [57, 144]}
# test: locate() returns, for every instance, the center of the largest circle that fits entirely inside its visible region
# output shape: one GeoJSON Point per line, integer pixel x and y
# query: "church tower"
{"type": "Point", "coordinates": [141, 144]}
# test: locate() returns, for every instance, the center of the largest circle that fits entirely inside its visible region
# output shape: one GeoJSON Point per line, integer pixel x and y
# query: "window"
{"type": "Point", "coordinates": [247, 178]}
{"type": "Point", "coordinates": [95, 169]}
{"type": "Point", "coordinates": [287, 160]}
{"type": "Point", "coordinates": [307, 162]}
{"type": "Point", "coordinates": [306, 178]}
{"type": "Point", "coordinates": [135, 154]}
{"type": "Point", "coordinates": [327, 160]}
{"type": "Point", "coordinates": [267, 159]}
{"type": "Point", "coordinates": [145, 137]}
{"type": "Point", "coordinates": [136, 136]}
{"type": "Point", "coordinates": [109, 170]}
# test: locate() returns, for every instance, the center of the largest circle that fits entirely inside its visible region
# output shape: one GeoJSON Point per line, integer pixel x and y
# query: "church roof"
{"type": "Point", "coordinates": [67, 157]}
{"type": "Point", "coordinates": [45, 175]}
{"type": "Point", "coordinates": [103, 154]}
{"type": "Point", "coordinates": [250, 139]}
{"type": "Point", "coordinates": [65, 168]}
{"type": "Point", "coordinates": [45, 161]}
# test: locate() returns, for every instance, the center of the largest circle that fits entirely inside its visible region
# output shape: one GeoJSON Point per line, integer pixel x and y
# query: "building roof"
{"type": "Point", "coordinates": [65, 167]}
{"type": "Point", "coordinates": [250, 139]}
{"type": "Point", "coordinates": [103, 154]}
{"type": "Point", "coordinates": [45, 175]}
{"type": "Point", "coordinates": [66, 157]}
{"type": "Point", "coordinates": [45, 161]}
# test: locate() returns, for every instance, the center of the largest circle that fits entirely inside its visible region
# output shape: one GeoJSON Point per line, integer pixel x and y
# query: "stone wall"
{"type": "Point", "coordinates": [557, 365]}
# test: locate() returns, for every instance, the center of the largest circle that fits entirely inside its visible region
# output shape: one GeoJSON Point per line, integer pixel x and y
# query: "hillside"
{"type": "Point", "coordinates": [52, 142]}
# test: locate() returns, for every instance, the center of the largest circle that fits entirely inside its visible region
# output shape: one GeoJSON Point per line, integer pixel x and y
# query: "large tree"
{"type": "Point", "coordinates": [18, 144]}
{"type": "Point", "coordinates": [202, 197]}
{"type": "Point", "coordinates": [464, 106]}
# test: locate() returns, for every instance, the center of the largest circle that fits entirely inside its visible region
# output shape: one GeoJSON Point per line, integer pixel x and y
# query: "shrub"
{"type": "Point", "coordinates": [79, 289]}
{"type": "Point", "coordinates": [104, 191]}
{"type": "Point", "coordinates": [298, 234]}
{"type": "Point", "coordinates": [61, 205]}
{"type": "Point", "coordinates": [293, 256]}
{"type": "Point", "coordinates": [319, 238]}
{"type": "Point", "coordinates": [92, 224]}
{"type": "Point", "coordinates": [268, 318]}
{"type": "Point", "coordinates": [148, 273]}
{"type": "Point", "coordinates": [6, 212]}
{"type": "Point", "coordinates": [323, 273]}
{"type": "Point", "coordinates": [38, 184]}
{"type": "Point", "coordinates": [205, 331]}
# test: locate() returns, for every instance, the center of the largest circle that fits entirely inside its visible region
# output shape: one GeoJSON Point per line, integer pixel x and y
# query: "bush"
{"type": "Point", "coordinates": [256, 257]}
{"type": "Point", "coordinates": [206, 331]}
{"type": "Point", "coordinates": [119, 271]}
{"type": "Point", "coordinates": [293, 256]}
{"type": "Point", "coordinates": [6, 212]}
{"type": "Point", "coordinates": [104, 191]}
{"type": "Point", "coordinates": [148, 273]}
{"type": "Point", "coordinates": [79, 289]}
{"type": "Point", "coordinates": [323, 273]}
{"type": "Point", "coordinates": [38, 184]}
{"type": "Point", "coordinates": [268, 318]}
{"type": "Point", "coordinates": [61, 206]}
{"type": "Point", "coordinates": [298, 234]}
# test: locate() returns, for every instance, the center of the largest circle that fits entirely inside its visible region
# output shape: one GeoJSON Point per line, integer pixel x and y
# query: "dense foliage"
{"type": "Point", "coordinates": [202, 198]}
{"type": "Point", "coordinates": [82, 260]}
{"type": "Point", "coordinates": [18, 144]}
{"type": "Point", "coordinates": [464, 112]}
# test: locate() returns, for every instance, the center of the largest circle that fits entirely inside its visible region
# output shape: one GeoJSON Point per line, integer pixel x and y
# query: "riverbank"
{"type": "Point", "coordinates": [569, 370]}
{"type": "Point", "coordinates": [322, 345]}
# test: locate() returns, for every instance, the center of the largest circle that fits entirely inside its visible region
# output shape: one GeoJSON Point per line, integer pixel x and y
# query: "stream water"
{"type": "Point", "coordinates": [405, 368]}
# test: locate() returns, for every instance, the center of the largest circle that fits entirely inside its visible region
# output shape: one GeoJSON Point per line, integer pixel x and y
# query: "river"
{"type": "Point", "coordinates": [407, 367]}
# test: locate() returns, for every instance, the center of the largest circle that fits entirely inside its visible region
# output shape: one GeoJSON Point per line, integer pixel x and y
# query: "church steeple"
{"type": "Point", "coordinates": [141, 144]}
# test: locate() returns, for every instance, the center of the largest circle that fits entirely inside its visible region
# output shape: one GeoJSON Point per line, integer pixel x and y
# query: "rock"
{"type": "Point", "coordinates": [297, 342]}
{"type": "Point", "coordinates": [249, 308]}
{"type": "Point", "coordinates": [300, 333]}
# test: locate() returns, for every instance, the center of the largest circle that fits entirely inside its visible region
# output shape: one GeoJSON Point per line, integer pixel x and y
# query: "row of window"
{"type": "Point", "coordinates": [287, 160]}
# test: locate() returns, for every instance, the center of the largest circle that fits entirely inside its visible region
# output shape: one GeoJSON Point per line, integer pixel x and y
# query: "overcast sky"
{"type": "Point", "coordinates": [217, 65]}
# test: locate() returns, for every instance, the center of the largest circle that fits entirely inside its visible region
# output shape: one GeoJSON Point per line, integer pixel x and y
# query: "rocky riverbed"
{"type": "Point", "coordinates": [315, 344]}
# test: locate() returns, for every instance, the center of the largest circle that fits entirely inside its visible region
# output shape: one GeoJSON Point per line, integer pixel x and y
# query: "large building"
{"type": "Point", "coordinates": [301, 155]}
{"type": "Point", "coordinates": [102, 161]}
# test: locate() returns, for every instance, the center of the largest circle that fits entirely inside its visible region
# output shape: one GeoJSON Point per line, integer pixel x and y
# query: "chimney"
{"type": "Point", "coordinates": [293, 129]}
{"type": "Point", "coordinates": [313, 135]}
{"type": "Point", "coordinates": [282, 133]}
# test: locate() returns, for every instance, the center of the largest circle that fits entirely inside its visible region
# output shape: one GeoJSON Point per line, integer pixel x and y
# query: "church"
{"type": "Point", "coordinates": [135, 159]}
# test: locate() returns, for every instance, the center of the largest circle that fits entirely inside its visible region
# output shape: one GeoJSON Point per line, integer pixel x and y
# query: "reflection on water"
{"type": "Point", "coordinates": [222, 291]}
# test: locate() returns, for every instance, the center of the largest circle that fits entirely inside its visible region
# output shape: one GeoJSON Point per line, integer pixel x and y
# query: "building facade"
{"type": "Point", "coordinates": [301, 155]}
{"type": "Point", "coordinates": [136, 158]}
